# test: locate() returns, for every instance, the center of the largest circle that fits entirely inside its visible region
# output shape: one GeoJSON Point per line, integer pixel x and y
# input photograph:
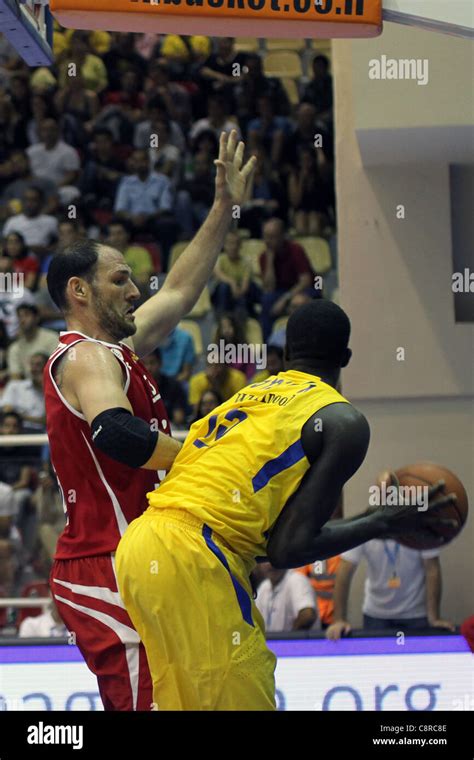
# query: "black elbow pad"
{"type": "Point", "coordinates": [123, 437]}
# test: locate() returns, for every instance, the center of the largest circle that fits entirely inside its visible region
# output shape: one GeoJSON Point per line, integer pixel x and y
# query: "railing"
{"type": "Point", "coordinates": [40, 439]}
{"type": "Point", "coordinates": [25, 601]}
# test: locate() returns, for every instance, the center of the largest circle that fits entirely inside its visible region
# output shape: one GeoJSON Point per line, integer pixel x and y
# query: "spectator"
{"type": "Point", "coordinates": [304, 135]}
{"type": "Point", "coordinates": [268, 130]}
{"type": "Point", "coordinates": [47, 625]}
{"type": "Point", "coordinates": [222, 70]}
{"type": "Point", "coordinates": [217, 119]}
{"type": "Point", "coordinates": [206, 142]}
{"type": "Point", "coordinates": [206, 404]}
{"type": "Point", "coordinates": [172, 392]}
{"type": "Point", "coordinates": [173, 95]}
{"type": "Point", "coordinates": [24, 263]}
{"type": "Point", "coordinates": [252, 85]}
{"type": "Point", "coordinates": [12, 295]}
{"type": "Point", "coordinates": [137, 257]}
{"type": "Point", "coordinates": [267, 197]}
{"type": "Point", "coordinates": [145, 199]}
{"type": "Point", "coordinates": [32, 339]}
{"type": "Point", "coordinates": [54, 159]}
{"type": "Point", "coordinates": [121, 57]}
{"type": "Point", "coordinates": [89, 66]}
{"type": "Point", "coordinates": [220, 378]}
{"type": "Point", "coordinates": [19, 91]}
{"type": "Point", "coordinates": [10, 540]}
{"type": "Point", "coordinates": [235, 290]}
{"type": "Point", "coordinates": [322, 576]}
{"type": "Point", "coordinates": [307, 195]}
{"type": "Point", "coordinates": [18, 466]}
{"type": "Point", "coordinates": [156, 113]}
{"type": "Point", "coordinates": [286, 601]}
{"type": "Point", "coordinates": [166, 158]}
{"type": "Point", "coordinates": [178, 355]}
{"type": "Point", "coordinates": [10, 139]}
{"type": "Point", "coordinates": [182, 53]}
{"type": "Point", "coordinates": [36, 228]}
{"type": "Point", "coordinates": [278, 337]}
{"type": "Point", "coordinates": [230, 333]}
{"type": "Point", "coordinates": [101, 174]}
{"type": "Point", "coordinates": [23, 178]}
{"type": "Point", "coordinates": [128, 95]}
{"type": "Point", "coordinates": [318, 91]}
{"type": "Point", "coordinates": [26, 396]}
{"type": "Point", "coordinates": [285, 272]}
{"type": "Point", "coordinates": [402, 589]}
{"type": "Point", "coordinates": [48, 503]}
{"type": "Point", "coordinates": [41, 108]}
{"type": "Point", "coordinates": [275, 364]}
{"type": "Point", "coordinates": [195, 196]}
{"type": "Point", "coordinates": [78, 107]}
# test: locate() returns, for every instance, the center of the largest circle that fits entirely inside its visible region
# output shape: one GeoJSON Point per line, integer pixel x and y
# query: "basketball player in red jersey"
{"type": "Point", "coordinates": [108, 429]}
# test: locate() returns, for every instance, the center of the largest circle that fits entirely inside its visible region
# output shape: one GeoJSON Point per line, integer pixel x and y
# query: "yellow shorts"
{"type": "Point", "coordinates": [190, 599]}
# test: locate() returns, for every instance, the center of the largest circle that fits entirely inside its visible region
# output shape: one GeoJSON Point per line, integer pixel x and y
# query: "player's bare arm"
{"type": "Point", "coordinates": [186, 280]}
{"type": "Point", "coordinates": [337, 447]}
{"type": "Point", "coordinates": [92, 381]}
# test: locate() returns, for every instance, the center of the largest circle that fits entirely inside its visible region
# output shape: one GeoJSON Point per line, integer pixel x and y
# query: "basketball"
{"type": "Point", "coordinates": [427, 474]}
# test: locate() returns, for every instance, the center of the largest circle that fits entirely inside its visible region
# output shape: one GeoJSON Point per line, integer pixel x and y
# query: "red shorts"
{"type": "Point", "coordinates": [86, 594]}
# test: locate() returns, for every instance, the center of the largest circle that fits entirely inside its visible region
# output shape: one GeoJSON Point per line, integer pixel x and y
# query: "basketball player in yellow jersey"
{"type": "Point", "coordinates": [258, 477]}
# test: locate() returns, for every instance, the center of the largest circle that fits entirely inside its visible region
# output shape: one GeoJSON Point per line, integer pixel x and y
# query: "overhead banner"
{"type": "Point", "coordinates": [256, 18]}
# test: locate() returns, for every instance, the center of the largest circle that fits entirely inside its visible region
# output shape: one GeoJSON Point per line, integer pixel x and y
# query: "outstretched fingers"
{"type": "Point", "coordinates": [222, 158]}
{"type": "Point", "coordinates": [231, 145]}
{"type": "Point", "coordinates": [239, 155]}
{"type": "Point", "coordinates": [249, 167]}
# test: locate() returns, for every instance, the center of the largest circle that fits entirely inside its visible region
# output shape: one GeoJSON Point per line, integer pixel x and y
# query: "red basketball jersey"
{"type": "Point", "coordinates": [100, 495]}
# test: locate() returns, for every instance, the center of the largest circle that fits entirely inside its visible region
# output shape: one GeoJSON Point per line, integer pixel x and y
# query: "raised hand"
{"type": "Point", "coordinates": [232, 179]}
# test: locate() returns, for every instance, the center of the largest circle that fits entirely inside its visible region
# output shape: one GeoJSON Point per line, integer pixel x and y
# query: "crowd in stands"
{"type": "Point", "coordinates": [116, 141]}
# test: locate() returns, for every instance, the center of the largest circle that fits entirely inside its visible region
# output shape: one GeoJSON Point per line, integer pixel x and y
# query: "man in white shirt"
{"type": "Point", "coordinates": [32, 339]}
{"type": "Point", "coordinates": [26, 397]}
{"type": "Point", "coordinates": [46, 625]}
{"type": "Point", "coordinates": [54, 159]}
{"type": "Point", "coordinates": [286, 600]}
{"type": "Point", "coordinates": [402, 589]}
{"type": "Point", "coordinates": [216, 121]}
{"type": "Point", "coordinates": [38, 229]}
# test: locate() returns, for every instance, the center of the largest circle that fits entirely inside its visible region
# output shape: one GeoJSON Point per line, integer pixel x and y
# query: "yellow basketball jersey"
{"type": "Point", "coordinates": [240, 464]}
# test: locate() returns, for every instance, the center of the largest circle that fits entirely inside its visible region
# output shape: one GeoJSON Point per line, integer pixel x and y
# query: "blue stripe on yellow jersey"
{"type": "Point", "coordinates": [240, 464]}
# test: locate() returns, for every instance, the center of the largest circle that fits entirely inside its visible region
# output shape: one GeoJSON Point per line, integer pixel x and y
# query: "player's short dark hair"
{"type": "Point", "coordinates": [77, 260]}
{"type": "Point", "coordinates": [318, 331]}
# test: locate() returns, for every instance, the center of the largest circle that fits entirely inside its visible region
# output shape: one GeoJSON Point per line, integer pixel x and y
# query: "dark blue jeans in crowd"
{"type": "Point", "coordinates": [223, 300]}
{"type": "Point", "coordinates": [398, 623]}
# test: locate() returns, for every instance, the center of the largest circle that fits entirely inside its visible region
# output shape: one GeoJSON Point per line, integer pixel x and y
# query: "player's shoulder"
{"type": "Point", "coordinates": [339, 428]}
{"type": "Point", "coordinates": [342, 417]}
{"type": "Point", "coordinates": [91, 356]}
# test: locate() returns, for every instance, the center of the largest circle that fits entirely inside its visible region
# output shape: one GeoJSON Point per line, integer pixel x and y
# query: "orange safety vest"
{"type": "Point", "coordinates": [322, 575]}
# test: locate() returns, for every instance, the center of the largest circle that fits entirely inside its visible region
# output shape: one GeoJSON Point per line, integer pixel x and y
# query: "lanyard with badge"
{"type": "Point", "coordinates": [392, 555]}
